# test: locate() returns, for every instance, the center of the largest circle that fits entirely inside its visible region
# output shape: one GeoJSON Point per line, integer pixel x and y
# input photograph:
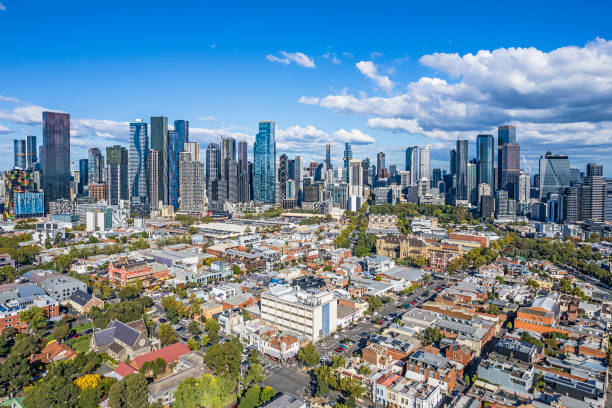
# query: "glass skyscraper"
{"type": "Point", "coordinates": [505, 134]}
{"type": "Point", "coordinates": [84, 176]}
{"type": "Point", "coordinates": [213, 171]}
{"type": "Point", "coordinates": [348, 155]}
{"type": "Point", "coordinates": [175, 147]}
{"type": "Point", "coordinates": [139, 163]}
{"type": "Point", "coordinates": [485, 155]}
{"type": "Point", "coordinates": [264, 177]}
{"type": "Point", "coordinates": [182, 128]}
{"type": "Point", "coordinates": [461, 169]}
{"type": "Point", "coordinates": [243, 172]}
{"type": "Point", "coordinates": [19, 153]}
{"type": "Point", "coordinates": [96, 166]}
{"type": "Point", "coordinates": [31, 156]}
{"type": "Point", "coordinates": [554, 174]}
{"type": "Point", "coordinates": [117, 178]}
{"type": "Point", "coordinates": [56, 156]}
{"type": "Point", "coordinates": [159, 142]}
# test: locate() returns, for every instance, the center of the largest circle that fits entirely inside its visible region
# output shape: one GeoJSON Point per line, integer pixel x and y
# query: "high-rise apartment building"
{"type": "Point", "coordinates": [96, 166]}
{"type": "Point", "coordinates": [264, 173]}
{"type": "Point", "coordinates": [194, 150]}
{"type": "Point", "coordinates": [524, 186]}
{"type": "Point", "coordinates": [554, 174]}
{"type": "Point", "coordinates": [159, 142]}
{"type": "Point", "coordinates": [56, 156]}
{"type": "Point", "coordinates": [510, 169]}
{"type": "Point", "coordinates": [139, 166]}
{"type": "Point", "coordinates": [117, 174]}
{"type": "Point", "coordinates": [472, 186]}
{"type": "Point", "coordinates": [31, 150]}
{"type": "Point", "coordinates": [381, 167]}
{"type": "Point", "coordinates": [485, 155]}
{"type": "Point", "coordinates": [154, 179]}
{"type": "Point", "coordinates": [229, 170]}
{"type": "Point", "coordinates": [569, 203]}
{"type": "Point", "coordinates": [192, 184]}
{"type": "Point", "coordinates": [505, 134]}
{"type": "Point", "coordinates": [243, 172]}
{"type": "Point", "coordinates": [213, 171]}
{"type": "Point", "coordinates": [348, 156]}
{"type": "Point", "coordinates": [283, 176]}
{"type": "Point", "coordinates": [181, 127]}
{"type": "Point", "coordinates": [461, 169]}
{"type": "Point", "coordinates": [19, 154]}
{"type": "Point", "coordinates": [413, 164]}
{"type": "Point", "coordinates": [593, 194]}
{"type": "Point", "coordinates": [176, 144]}
{"type": "Point", "coordinates": [328, 163]}
{"type": "Point", "coordinates": [83, 177]}
{"type": "Point", "coordinates": [424, 162]}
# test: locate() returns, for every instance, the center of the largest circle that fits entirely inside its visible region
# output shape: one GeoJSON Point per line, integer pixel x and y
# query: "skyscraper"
{"type": "Point", "coordinates": [117, 174]}
{"type": "Point", "coordinates": [19, 154]}
{"type": "Point", "coordinates": [159, 142]}
{"type": "Point", "coordinates": [510, 169]}
{"type": "Point", "coordinates": [348, 155]}
{"type": "Point", "coordinates": [228, 186]}
{"type": "Point", "coordinates": [243, 172]}
{"type": "Point", "coordinates": [424, 162]}
{"type": "Point", "coordinates": [56, 156]}
{"type": "Point", "coordinates": [283, 176]}
{"type": "Point", "coordinates": [381, 165]}
{"type": "Point", "coordinates": [139, 166]}
{"type": "Point", "coordinates": [593, 194]}
{"type": "Point", "coordinates": [298, 170]}
{"type": "Point", "coordinates": [264, 177]}
{"type": "Point", "coordinates": [182, 128]}
{"type": "Point", "coordinates": [154, 179]}
{"type": "Point", "coordinates": [96, 166]}
{"type": "Point", "coordinates": [176, 145]}
{"type": "Point", "coordinates": [505, 134]}
{"type": "Point", "coordinates": [192, 184]}
{"type": "Point", "coordinates": [554, 174]}
{"type": "Point", "coordinates": [328, 163]}
{"type": "Point", "coordinates": [31, 156]}
{"type": "Point", "coordinates": [413, 164]}
{"type": "Point", "coordinates": [355, 184]}
{"type": "Point", "coordinates": [194, 149]}
{"type": "Point", "coordinates": [213, 171]}
{"type": "Point", "coordinates": [472, 186]}
{"type": "Point", "coordinates": [461, 169]}
{"type": "Point", "coordinates": [84, 177]}
{"type": "Point", "coordinates": [485, 155]}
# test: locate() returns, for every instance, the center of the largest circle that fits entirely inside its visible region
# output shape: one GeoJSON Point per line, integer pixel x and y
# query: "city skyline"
{"type": "Point", "coordinates": [333, 88]}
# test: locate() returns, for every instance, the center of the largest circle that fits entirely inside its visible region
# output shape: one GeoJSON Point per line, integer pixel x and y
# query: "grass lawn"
{"type": "Point", "coordinates": [83, 327]}
{"type": "Point", "coordinates": [80, 344]}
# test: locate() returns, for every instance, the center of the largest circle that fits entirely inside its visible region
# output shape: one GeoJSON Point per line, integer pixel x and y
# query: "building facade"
{"type": "Point", "coordinates": [264, 177]}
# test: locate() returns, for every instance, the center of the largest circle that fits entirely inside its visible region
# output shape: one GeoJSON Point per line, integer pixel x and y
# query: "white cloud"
{"type": "Point", "coordinates": [368, 69]}
{"type": "Point", "coordinates": [396, 124]}
{"type": "Point", "coordinates": [206, 118]}
{"type": "Point", "coordinates": [24, 115]}
{"type": "Point", "coordinates": [330, 55]}
{"type": "Point", "coordinates": [4, 130]}
{"type": "Point", "coordinates": [355, 136]}
{"type": "Point", "coordinates": [8, 99]}
{"type": "Point", "coordinates": [298, 58]}
{"type": "Point", "coordinates": [308, 100]}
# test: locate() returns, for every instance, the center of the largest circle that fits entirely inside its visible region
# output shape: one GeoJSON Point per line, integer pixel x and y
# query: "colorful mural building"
{"type": "Point", "coordinates": [21, 198]}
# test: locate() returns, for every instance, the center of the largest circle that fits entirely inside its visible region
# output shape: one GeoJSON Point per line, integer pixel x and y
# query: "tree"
{"type": "Point", "coordinates": [194, 327]}
{"type": "Point", "coordinates": [34, 317]}
{"type": "Point", "coordinates": [493, 309]}
{"type": "Point", "coordinates": [432, 335]}
{"type": "Point", "coordinates": [509, 326]}
{"type": "Point", "coordinates": [309, 356]}
{"type": "Point", "coordinates": [373, 304]}
{"type": "Point", "coordinates": [338, 361]}
{"type": "Point", "coordinates": [193, 345]}
{"type": "Point", "coordinates": [56, 390]}
{"type": "Point", "coordinates": [152, 369]}
{"type": "Point", "coordinates": [212, 328]}
{"type": "Point", "coordinates": [166, 334]}
{"type": "Point", "coordinates": [533, 283]}
{"type": "Point", "coordinates": [130, 392]}
{"type": "Point", "coordinates": [250, 399]}
{"type": "Point", "coordinates": [90, 397]}
{"type": "Point", "coordinates": [87, 381]}
{"type": "Point", "coordinates": [254, 375]}
{"type": "Point", "coordinates": [7, 273]}
{"type": "Point", "coordinates": [225, 359]}
{"type": "Point", "coordinates": [130, 291]}
{"type": "Point", "coordinates": [236, 270]}
{"type": "Point", "coordinates": [63, 262]}
{"type": "Point", "coordinates": [267, 393]}
{"type": "Point", "coordinates": [15, 373]}
{"type": "Point", "coordinates": [61, 331]}
{"type": "Point", "coordinates": [466, 379]}
{"type": "Point", "coordinates": [205, 391]}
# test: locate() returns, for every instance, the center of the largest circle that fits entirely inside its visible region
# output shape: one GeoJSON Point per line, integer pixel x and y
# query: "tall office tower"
{"type": "Point", "coordinates": [381, 165]}
{"type": "Point", "coordinates": [608, 214]}
{"type": "Point", "coordinates": [328, 163]}
{"type": "Point", "coordinates": [355, 183]}
{"type": "Point", "coordinates": [19, 154]}
{"type": "Point", "coordinates": [96, 165]}
{"type": "Point", "coordinates": [117, 174]}
{"type": "Point", "coordinates": [472, 186]}
{"type": "Point", "coordinates": [243, 172]}
{"type": "Point", "coordinates": [194, 149]}
{"type": "Point", "coordinates": [192, 184]}
{"type": "Point", "coordinates": [424, 162]}
{"type": "Point", "coordinates": [283, 176]}
{"type": "Point", "coordinates": [31, 157]}
{"type": "Point", "coordinates": [501, 203]}
{"type": "Point", "coordinates": [593, 194]}
{"type": "Point", "coordinates": [176, 144]}
{"type": "Point", "coordinates": [461, 169]}
{"type": "Point", "coordinates": [139, 165]}
{"type": "Point", "coordinates": [453, 162]}
{"type": "Point", "coordinates": [569, 204]}
{"type": "Point", "coordinates": [365, 168]}
{"type": "Point", "coordinates": [83, 177]}
{"type": "Point", "coordinates": [408, 160]}
{"type": "Point", "coordinates": [505, 134]}
{"type": "Point", "coordinates": [484, 189]}
{"type": "Point", "coordinates": [510, 169]}
{"type": "Point", "coordinates": [228, 150]}
{"type": "Point", "coordinates": [524, 186]}
{"type": "Point", "coordinates": [264, 172]}
{"type": "Point", "coordinates": [291, 169]}
{"type": "Point", "coordinates": [159, 142]}
{"type": "Point", "coordinates": [229, 170]}
{"type": "Point", "coordinates": [348, 156]}
{"type": "Point", "coordinates": [554, 174]}
{"type": "Point", "coordinates": [485, 155]}
{"type": "Point", "coordinates": [413, 163]}
{"type": "Point", "coordinates": [56, 156]}
{"type": "Point", "coordinates": [213, 171]}
{"type": "Point", "coordinates": [154, 179]}
{"type": "Point", "coordinates": [182, 128]}
{"type": "Point", "coordinates": [575, 176]}
{"type": "Point", "coordinates": [299, 176]}
{"type": "Point", "coordinates": [436, 177]}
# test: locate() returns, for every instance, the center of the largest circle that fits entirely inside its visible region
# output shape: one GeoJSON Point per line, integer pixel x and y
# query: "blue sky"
{"type": "Point", "coordinates": [383, 75]}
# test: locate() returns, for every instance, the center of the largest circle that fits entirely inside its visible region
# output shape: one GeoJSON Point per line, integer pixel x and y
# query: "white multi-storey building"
{"type": "Point", "coordinates": [312, 314]}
